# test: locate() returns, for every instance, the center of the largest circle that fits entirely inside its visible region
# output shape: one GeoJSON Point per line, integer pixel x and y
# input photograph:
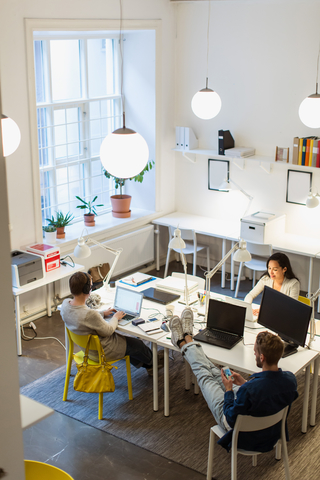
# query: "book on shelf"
{"type": "Point", "coordinates": [307, 153]}
{"type": "Point", "coordinates": [225, 141]}
{"type": "Point", "coordinates": [241, 152]}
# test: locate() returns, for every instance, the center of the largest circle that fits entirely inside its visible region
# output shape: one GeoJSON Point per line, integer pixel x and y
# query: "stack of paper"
{"type": "Point", "coordinates": [137, 279]}
{"type": "Point", "coordinates": [151, 328]}
{"type": "Point", "coordinates": [176, 285]}
{"type": "Point", "coordinates": [240, 152]}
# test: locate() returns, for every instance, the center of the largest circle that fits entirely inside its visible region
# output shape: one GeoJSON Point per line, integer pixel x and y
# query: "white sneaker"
{"type": "Point", "coordinates": [176, 330]}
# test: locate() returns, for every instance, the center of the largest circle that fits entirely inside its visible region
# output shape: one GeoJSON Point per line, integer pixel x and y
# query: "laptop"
{"type": "Point", "coordinates": [128, 301]}
{"type": "Point", "coordinates": [159, 296]}
{"type": "Point", "coordinates": [251, 320]}
{"type": "Point", "coordinates": [225, 324]}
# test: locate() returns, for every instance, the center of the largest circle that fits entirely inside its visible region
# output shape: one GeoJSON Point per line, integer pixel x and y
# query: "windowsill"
{"type": "Point", "coordinates": [106, 227]}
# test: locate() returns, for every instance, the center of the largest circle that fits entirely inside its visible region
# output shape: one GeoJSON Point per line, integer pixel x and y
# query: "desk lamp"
{"type": "Point", "coordinates": [241, 255]}
{"type": "Point", "coordinates": [313, 299]}
{"type": "Point", "coordinates": [83, 251]}
{"type": "Point", "coordinates": [226, 185]}
{"type": "Point", "coordinates": [312, 200]}
{"type": "Point", "coordinates": [178, 243]}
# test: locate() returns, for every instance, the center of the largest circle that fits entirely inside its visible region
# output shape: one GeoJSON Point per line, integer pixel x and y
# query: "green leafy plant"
{"type": "Point", "coordinates": [61, 220]}
{"type": "Point", "coordinates": [119, 182]}
{"type": "Point", "coordinates": [49, 228]}
{"type": "Point", "coordinates": [89, 205]}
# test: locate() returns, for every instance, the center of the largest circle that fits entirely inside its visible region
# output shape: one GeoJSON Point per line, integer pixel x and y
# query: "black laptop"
{"type": "Point", "coordinates": [159, 296]}
{"type": "Point", "coordinates": [225, 324]}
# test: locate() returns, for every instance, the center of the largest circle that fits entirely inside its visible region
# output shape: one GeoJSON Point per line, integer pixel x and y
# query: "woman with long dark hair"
{"type": "Point", "coordinates": [280, 276]}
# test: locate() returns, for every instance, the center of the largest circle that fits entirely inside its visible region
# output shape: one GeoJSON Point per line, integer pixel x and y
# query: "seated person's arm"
{"type": "Point", "coordinates": [105, 329]}
{"type": "Point", "coordinates": [254, 293]}
{"type": "Point", "coordinates": [233, 407]}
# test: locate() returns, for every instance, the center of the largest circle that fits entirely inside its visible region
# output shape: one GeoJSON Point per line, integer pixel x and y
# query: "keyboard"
{"type": "Point", "coordinates": [128, 317]}
{"type": "Point", "coordinates": [212, 336]}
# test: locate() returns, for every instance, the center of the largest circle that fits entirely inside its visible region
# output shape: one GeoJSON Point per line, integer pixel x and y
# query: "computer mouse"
{"type": "Point", "coordinates": [165, 327]}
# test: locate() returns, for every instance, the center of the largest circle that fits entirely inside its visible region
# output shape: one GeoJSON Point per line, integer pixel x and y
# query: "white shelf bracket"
{"type": "Point", "coordinates": [192, 158]}
{"type": "Point", "coordinates": [266, 166]}
{"type": "Point", "coordinates": [239, 162]}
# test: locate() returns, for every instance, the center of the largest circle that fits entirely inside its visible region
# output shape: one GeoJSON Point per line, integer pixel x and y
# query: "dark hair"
{"type": "Point", "coordinates": [271, 346]}
{"type": "Point", "coordinates": [284, 262]}
{"type": "Point", "coordinates": [78, 283]}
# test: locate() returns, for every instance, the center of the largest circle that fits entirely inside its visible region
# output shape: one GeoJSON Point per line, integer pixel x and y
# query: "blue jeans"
{"type": "Point", "coordinates": [209, 380]}
{"type": "Point", "coordinates": [140, 354]}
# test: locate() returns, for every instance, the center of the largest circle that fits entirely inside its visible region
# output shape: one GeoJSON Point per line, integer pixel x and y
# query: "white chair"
{"type": "Point", "coordinates": [260, 253]}
{"type": "Point", "coordinates": [246, 423]}
{"type": "Point", "coordinates": [201, 281]}
{"type": "Point", "coordinates": [192, 247]}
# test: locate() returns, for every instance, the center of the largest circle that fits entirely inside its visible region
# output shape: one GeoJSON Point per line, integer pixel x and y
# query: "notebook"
{"type": "Point", "coordinates": [159, 296]}
{"type": "Point", "coordinates": [225, 324]}
{"type": "Point", "coordinates": [128, 301]}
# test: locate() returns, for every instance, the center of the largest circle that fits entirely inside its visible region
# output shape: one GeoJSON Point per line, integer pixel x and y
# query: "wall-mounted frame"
{"type": "Point", "coordinates": [218, 172]}
{"type": "Point", "coordinates": [298, 186]}
{"type": "Point", "coordinates": [282, 155]}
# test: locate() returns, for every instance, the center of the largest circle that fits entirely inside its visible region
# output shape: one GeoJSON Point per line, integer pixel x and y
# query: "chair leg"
{"type": "Point", "coordinates": [253, 278]}
{"type": "Point", "coordinates": [100, 411]}
{"type": "Point", "coordinates": [210, 455]}
{"type": "Point", "coordinates": [278, 450]}
{"type": "Point", "coordinates": [129, 377]}
{"type": "Point", "coordinates": [254, 460]}
{"type": "Point", "coordinates": [167, 262]}
{"type": "Point", "coordinates": [286, 460]}
{"type": "Point", "coordinates": [234, 464]}
{"type": "Point", "coordinates": [238, 281]}
{"type": "Point", "coordinates": [68, 371]}
{"type": "Point", "coordinates": [194, 271]}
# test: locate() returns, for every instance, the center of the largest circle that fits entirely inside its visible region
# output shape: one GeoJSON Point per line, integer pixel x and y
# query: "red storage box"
{"type": "Point", "coordinates": [50, 253]}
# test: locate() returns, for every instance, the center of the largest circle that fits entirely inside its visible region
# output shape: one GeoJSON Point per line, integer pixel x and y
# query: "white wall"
{"type": "Point", "coordinates": [262, 62]}
{"type": "Point", "coordinates": [140, 106]}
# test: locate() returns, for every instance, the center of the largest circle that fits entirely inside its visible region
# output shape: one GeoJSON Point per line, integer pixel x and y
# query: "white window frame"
{"type": "Point", "coordinates": [46, 25]}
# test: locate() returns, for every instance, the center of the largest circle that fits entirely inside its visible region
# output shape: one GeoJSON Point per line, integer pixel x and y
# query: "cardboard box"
{"type": "Point", "coordinates": [50, 253]}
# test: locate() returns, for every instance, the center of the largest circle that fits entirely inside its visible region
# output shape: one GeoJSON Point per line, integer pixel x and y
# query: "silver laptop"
{"type": "Point", "coordinates": [129, 302]}
{"type": "Point", "coordinates": [251, 320]}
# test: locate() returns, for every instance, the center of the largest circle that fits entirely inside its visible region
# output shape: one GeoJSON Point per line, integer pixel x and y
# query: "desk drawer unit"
{"type": "Point", "coordinates": [262, 227]}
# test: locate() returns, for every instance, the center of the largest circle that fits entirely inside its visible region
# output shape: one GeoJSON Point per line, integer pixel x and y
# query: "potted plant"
{"type": "Point", "coordinates": [60, 222]}
{"type": "Point", "coordinates": [50, 234]}
{"type": "Point", "coordinates": [89, 217]}
{"type": "Point", "coordinates": [121, 203]}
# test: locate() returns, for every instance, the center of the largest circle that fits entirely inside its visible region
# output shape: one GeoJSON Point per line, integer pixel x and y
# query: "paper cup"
{"type": "Point", "coordinates": [169, 310]}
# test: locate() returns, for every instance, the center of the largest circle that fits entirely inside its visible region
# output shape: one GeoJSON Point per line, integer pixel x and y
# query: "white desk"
{"type": "Point", "coordinates": [213, 227]}
{"type": "Point", "coordinates": [230, 230]}
{"type": "Point", "coordinates": [241, 358]}
{"type": "Point", "coordinates": [32, 412]}
{"type": "Point", "coordinates": [47, 281]}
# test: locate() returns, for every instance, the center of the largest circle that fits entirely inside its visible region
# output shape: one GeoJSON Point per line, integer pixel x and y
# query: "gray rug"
{"type": "Point", "coordinates": [182, 437]}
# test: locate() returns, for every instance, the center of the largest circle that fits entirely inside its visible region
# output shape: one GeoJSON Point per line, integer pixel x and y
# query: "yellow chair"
{"type": "Point", "coordinates": [81, 341]}
{"type": "Point", "coordinates": [304, 300]}
{"type": "Point", "coordinates": [40, 471]}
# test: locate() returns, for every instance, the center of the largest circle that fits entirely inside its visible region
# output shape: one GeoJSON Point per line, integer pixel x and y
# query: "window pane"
{"type": "Point", "coordinates": [101, 67]}
{"type": "Point", "coordinates": [39, 71]}
{"type": "Point", "coordinates": [62, 176]}
{"type": "Point", "coordinates": [65, 69]}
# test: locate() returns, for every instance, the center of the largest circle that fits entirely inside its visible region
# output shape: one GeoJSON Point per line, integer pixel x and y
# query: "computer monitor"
{"type": "Point", "coordinates": [285, 316]}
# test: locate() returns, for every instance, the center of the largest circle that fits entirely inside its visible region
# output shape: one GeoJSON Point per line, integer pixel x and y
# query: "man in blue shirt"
{"type": "Point", "coordinates": [265, 393]}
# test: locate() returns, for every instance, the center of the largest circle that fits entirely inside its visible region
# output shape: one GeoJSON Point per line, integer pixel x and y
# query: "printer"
{"type": "Point", "coordinates": [26, 268]}
{"type": "Point", "coordinates": [262, 227]}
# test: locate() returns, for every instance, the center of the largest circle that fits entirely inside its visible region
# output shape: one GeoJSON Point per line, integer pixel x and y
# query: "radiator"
{"type": "Point", "coordinates": [138, 250]}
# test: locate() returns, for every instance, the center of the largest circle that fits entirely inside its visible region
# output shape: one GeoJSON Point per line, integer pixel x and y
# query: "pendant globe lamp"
{"type": "Point", "coordinates": [309, 110]}
{"type": "Point", "coordinates": [206, 103]}
{"type": "Point", "coordinates": [11, 135]}
{"type": "Point", "coordinates": [124, 153]}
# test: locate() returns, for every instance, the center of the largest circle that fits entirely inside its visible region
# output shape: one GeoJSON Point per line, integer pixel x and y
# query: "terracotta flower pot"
{"type": "Point", "coordinates": [60, 232]}
{"type": "Point", "coordinates": [121, 206]}
{"type": "Point", "coordinates": [89, 220]}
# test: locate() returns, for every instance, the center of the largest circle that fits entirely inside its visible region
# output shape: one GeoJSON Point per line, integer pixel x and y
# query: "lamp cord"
{"type": "Point", "coordinates": [121, 64]}
{"type": "Point", "coordinates": [208, 43]}
{"type": "Point", "coordinates": [317, 73]}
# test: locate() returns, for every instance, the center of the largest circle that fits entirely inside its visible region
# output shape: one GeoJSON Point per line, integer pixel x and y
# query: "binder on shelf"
{"type": "Point", "coordinates": [225, 141]}
{"type": "Point", "coordinates": [304, 144]}
{"type": "Point", "coordinates": [178, 137]}
{"type": "Point", "coordinates": [306, 160]}
{"type": "Point", "coordinates": [181, 139]}
{"type": "Point", "coordinates": [190, 140]}
{"type": "Point", "coordinates": [314, 153]}
{"type": "Point", "coordinates": [300, 151]}
{"type": "Point", "coordinates": [295, 154]}
{"type": "Point", "coordinates": [318, 155]}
